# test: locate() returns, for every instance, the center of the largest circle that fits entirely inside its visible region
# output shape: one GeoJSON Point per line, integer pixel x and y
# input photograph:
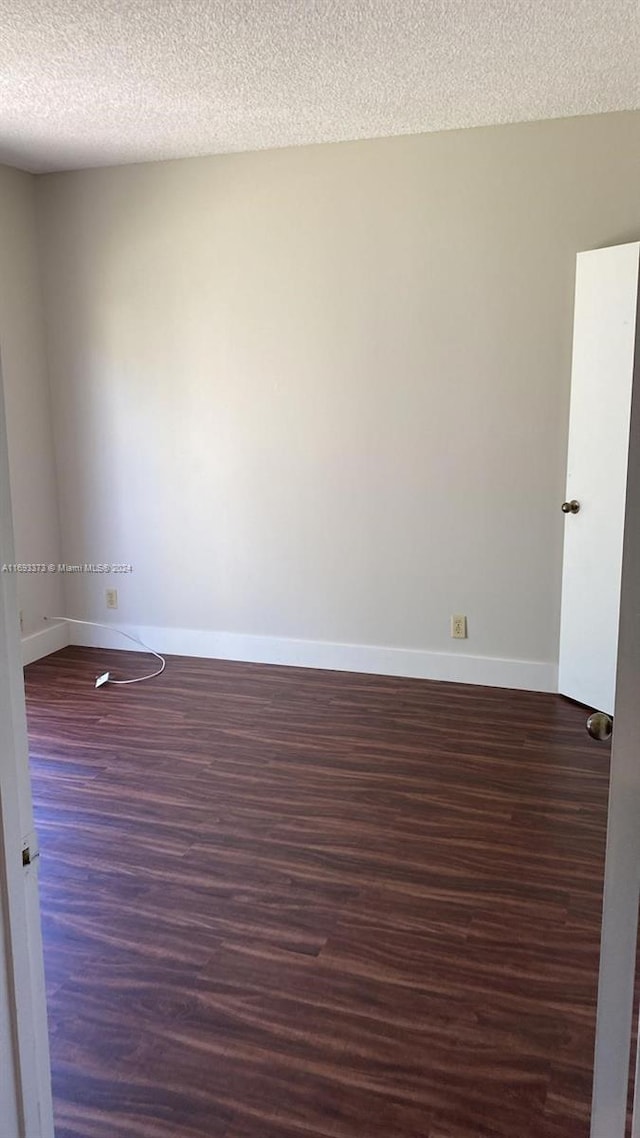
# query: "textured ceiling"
{"type": "Point", "coordinates": [97, 82]}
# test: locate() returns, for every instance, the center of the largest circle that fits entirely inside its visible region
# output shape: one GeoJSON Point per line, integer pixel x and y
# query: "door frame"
{"type": "Point", "coordinates": [20, 907]}
{"type": "Point", "coordinates": [622, 865]}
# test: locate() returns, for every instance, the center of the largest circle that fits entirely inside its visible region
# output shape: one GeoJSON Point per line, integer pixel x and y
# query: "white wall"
{"type": "Point", "coordinates": [322, 393]}
{"type": "Point", "coordinates": [27, 404]}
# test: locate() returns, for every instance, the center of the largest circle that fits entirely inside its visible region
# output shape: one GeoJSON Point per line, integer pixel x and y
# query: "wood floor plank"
{"type": "Point", "coordinates": [280, 903]}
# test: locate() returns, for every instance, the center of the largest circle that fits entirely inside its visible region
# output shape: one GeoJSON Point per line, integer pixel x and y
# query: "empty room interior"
{"type": "Point", "coordinates": [318, 333]}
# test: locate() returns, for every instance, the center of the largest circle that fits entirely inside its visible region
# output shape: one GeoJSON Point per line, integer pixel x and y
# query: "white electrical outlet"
{"type": "Point", "coordinates": [112, 598]}
{"type": "Point", "coordinates": [458, 627]}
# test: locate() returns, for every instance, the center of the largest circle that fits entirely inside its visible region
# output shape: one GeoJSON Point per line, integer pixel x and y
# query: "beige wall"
{"type": "Point", "coordinates": [322, 393]}
{"type": "Point", "coordinates": [26, 391]}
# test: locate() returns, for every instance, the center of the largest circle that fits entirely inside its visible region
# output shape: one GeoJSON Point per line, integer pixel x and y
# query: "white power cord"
{"type": "Point", "coordinates": [104, 678]}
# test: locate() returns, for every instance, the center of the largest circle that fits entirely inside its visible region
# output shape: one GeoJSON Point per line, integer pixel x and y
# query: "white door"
{"type": "Point", "coordinates": [604, 337]}
{"type": "Point", "coordinates": [25, 1089]}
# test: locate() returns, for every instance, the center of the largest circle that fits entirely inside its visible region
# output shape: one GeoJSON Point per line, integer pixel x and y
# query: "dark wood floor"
{"type": "Point", "coordinates": [282, 903]}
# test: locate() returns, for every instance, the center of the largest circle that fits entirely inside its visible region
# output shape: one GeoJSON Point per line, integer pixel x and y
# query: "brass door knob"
{"type": "Point", "coordinates": [600, 726]}
{"type": "Point", "coordinates": [571, 507]}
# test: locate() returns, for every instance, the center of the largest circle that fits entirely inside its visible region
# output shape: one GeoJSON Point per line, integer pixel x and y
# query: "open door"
{"type": "Point", "coordinates": [604, 335]}
{"type": "Point", "coordinates": [25, 1083]}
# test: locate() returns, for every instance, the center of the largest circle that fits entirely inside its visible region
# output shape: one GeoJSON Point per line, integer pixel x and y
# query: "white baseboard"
{"type": "Point", "coordinates": [43, 643]}
{"type": "Point", "coordinates": [531, 675]}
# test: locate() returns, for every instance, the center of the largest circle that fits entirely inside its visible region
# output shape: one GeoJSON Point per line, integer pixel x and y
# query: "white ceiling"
{"type": "Point", "coordinates": [100, 82]}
